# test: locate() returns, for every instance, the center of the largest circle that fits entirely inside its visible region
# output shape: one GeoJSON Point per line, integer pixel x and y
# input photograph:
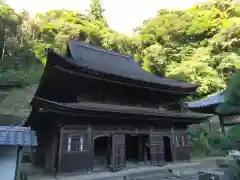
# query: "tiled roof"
{"type": "Point", "coordinates": [18, 136]}
{"type": "Point", "coordinates": [116, 64]}
{"type": "Point", "coordinates": [113, 108]}
{"type": "Point", "coordinates": [213, 99]}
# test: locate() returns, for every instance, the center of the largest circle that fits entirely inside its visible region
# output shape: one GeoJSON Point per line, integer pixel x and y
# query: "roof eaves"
{"type": "Point", "coordinates": [89, 106]}
{"type": "Point", "coordinates": [213, 99]}
{"type": "Point", "coordinates": [175, 83]}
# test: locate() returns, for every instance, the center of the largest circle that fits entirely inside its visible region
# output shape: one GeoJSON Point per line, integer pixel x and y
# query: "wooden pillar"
{"type": "Point", "coordinates": [91, 146]}
{"type": "Point", "coordinates": [187, 144]}
{"type": "Point", "coordinates": [139, 148]}
{"type": "Point", "coordinates": [147, 148]}
{"type": "Point", "coordinates": [221, 120]}
{"type": "Point", "coordinates": [173, 145]}
{"type": "Point", "coordinates": [48, 158]}
{"type": "Point", "coordinates": [51, 150]}
{"type": "Point", "coordinates": [109, 152]}
{"type": "Point", "coordinates": [55, 152]}
{"type": "Point", "coordinates": [210, 125]}
{"type": "Point", "coordinates": [60, 149]}
{"type": "Point", "coordinates": [19, 160]}
{"type": "Point", "coordinates": [145, 154]}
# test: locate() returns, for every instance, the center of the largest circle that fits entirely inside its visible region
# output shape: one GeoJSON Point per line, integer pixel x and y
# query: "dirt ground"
{"type": "Point", "coordinates": [185, 168]}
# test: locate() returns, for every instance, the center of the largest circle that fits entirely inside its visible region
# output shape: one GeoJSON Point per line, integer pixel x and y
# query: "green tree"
{"type": "Point", "coordinates": [96, 10]}
{"type": "Point", "coordinates": [232, 97]}
{"type": "Point", "coordinates": [198, 45]}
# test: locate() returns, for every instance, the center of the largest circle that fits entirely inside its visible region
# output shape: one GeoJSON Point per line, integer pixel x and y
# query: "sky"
{"type": "Point", "coordinates": [122, 15]}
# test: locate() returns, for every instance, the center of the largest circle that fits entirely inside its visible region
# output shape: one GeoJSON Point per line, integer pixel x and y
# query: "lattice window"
{"type": "Point", "coordinates": [75, 143]}
{"type": "Point", "coordinates": [180, 140]}
{"type": "Point", "coordinates": [177, 141]}
{"type": "Point", "coordinates": [183, 141]}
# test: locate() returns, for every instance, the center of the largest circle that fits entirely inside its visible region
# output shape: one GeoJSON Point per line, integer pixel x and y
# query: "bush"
{"type": "Point", "coordinates": [233, 170]}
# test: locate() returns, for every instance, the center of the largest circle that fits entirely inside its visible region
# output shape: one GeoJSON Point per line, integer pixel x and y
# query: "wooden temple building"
{"type": "Point", "coordinates": [209, 104]}
{"type": "Point", "coordinates": [99, 110]}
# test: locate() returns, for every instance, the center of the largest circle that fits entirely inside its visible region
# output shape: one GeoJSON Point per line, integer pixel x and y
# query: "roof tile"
{"type": "Point", "coordinates": [213, 99]}
{"type": "Point", "coordinates": [18, 136]}
{"type": "Point", "coordinates": [114, 63]}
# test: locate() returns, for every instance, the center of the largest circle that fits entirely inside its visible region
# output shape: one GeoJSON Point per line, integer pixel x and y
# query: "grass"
{"type": "Point", "coordinates": [16, 103]}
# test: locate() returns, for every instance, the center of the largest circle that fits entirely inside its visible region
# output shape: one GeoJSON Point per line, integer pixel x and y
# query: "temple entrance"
{"type": "Point", "coordinates": [167, 149]}
{"type": "Point", "coordinates": [131, 149]}
{"type": "Point", "coordinates": [137, 150]}
{"type": "Point", "coordinates": [102, 152]}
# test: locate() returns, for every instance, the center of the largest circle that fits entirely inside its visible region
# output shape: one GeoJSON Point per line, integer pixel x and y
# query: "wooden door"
{"type": "Point", "coordinates": [118, 152]}
{"type": "Point", "coordinates": [156, 149]}
{"type": "Point", "coordinates": [181, 146]}
{"type": "Point", "coordinates": [75, 154]}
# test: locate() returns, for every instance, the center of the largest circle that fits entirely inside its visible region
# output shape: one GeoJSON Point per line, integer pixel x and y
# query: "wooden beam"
{"type": "Point", "coordinates": [222, 124]}
{"type": "Point", "coordinates": [123, 83]}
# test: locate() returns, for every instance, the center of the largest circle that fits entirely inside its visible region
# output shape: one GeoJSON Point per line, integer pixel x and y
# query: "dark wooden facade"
{"type": "Point", "coordinates": [88, 118]}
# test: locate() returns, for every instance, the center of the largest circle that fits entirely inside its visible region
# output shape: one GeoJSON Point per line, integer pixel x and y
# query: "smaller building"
{"type": "Point", "coordinates": [208, 104]}
{"type": "Point", "coordinates": [12, 139]}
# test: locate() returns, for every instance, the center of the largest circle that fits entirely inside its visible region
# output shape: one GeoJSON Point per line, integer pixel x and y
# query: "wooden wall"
{"type": "Point", "coordinates": [70, 162]}
{"type": "Point", "coordinates": [69, 88]}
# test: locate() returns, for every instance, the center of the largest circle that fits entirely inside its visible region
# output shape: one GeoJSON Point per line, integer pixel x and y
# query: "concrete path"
{"type": "Point", "coordinates": [186, 167]}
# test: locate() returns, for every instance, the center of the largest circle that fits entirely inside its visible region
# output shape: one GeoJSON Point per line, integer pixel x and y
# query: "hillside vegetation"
{"type": "Point", "coordinates": [198, 45]}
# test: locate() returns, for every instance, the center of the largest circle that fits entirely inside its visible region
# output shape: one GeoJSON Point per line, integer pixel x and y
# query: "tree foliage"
{"type": "Point", "coordinates": [96, 10]}
{"type": "Point", "coordinates": [195, 45]}
{"type": "Point", "coordinates": [210, 141]}
{"type": "Point", "coordinates": [198, 45]}
{"type": "Point", "coordinates": [231, 96]}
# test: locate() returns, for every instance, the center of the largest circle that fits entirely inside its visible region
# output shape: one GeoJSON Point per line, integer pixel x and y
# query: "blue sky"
{"type": "Point", "coordinates": [122, 15]}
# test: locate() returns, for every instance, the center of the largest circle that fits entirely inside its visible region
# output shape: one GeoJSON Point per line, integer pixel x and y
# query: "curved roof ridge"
{"type": "Point", "coordinates": [122, 65]}
{"type": "Point", "coordinates": [85, 45]}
